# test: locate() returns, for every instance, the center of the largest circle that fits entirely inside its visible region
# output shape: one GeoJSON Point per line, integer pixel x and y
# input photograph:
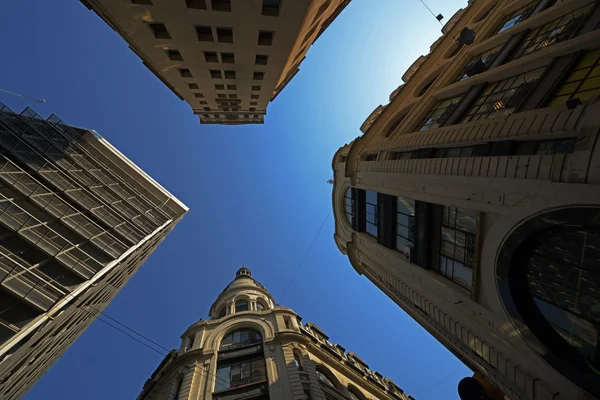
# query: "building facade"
{"type": "Point", "coordinates": [472, 199]}
{"type": "Point", "coordinates": [226, 58]}
{"type": "Point", "coordinates": [77, 219]}
{"type": "Point", "coordinates": [252, 348]}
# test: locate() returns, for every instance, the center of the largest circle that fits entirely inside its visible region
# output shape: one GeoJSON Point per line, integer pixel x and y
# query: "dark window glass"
{"type": "Point", "coordinates": [254, 96]}
{"type": "Point", "coordinates": [231, 87]}
{"type": "Point", "coordinates": [142, 2]}
{"type": "Point", "coordinates": [265, 38]}
{"type": "Point", "coordinates": [228, 58]}
{"type": "Point", "coordinates": [271, 8]}
{"type": "Point", "coordinates": [219, 87]}
{"type": "Point", "coordinates": [457, 251]}
{"type": "Point", "coordinates": [215, 74]}
{"type": "Point", "coordinates": [225, 35]}
{"type": "Point", "coordinates": [241, 305]}
{"type": "Point", "coordinates": [297, 360]}
{"type": "Point", "coordinates": [221, 5]}
{"type": "Point", "coordinates": [199, 95]}
{"type": "Point", "coordinates": [552, 32]}
{"type": "Point", "coordinates": [193, 86]}
{"type": "Point", "coordinates": [174, 55]}
{"type": "Point", "coordinates": [185, 73]}
{"type": "Point", "coordinates": [204, 34]}
{"type": "Point", "coordinates": [372, 213]}
{"type": "Point", "coordinates": [159, 31]}
{"type": "Point", "coordinates": [405, 226]}
{"type": "Point", "coordinates": [197, 4]}
{"type": "Point", "coordinates": [211, 56]}
{"type": "Point", "coordinates": [239, 338]}
{"type": "Point", "coordinates": [240, 373]}
{"type": "Point", "coordinates": [438, 114]}
{"type": "Point", "coordinates": [503, 97]}
{"type": "Point", "coordinates": [256, 88]}
{"type": "Point", "coordinates": [323, 378]}
{"type": "Point", "coordinates": [479, 63]}
{"type": "Point", "coordinates": [582, 82]}
{"type": "Point", "coordinates": [229, 74]}
{"type": "Point", "coordinates": [260, 60]}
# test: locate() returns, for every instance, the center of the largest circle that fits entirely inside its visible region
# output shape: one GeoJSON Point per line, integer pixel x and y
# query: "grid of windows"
{"type": "Point", "coordinates": [405, 225]}
{"type": "Point", "coordinates": [241, 373]}
{"type": "Point", "coordinates": [350, 207]}
{"type": "Point", "coordinates": [372, 213]}
{"type": "Point", "coordinates": [438, 114]}
{"type": "Point", "coordinates": [503, 97]}
{"type": "Point", "coordinates": [583, 82]}
{"type": "Point", "coordinates": [457, 251]}
{"type": "Point", "coordinates": [551, 33]}
{"type": "Point", "coordinates": [514, 18]}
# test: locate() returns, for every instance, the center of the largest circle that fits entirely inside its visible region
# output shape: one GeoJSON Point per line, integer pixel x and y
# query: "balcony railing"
{"type": "Point", "coordinates": [239, 345]}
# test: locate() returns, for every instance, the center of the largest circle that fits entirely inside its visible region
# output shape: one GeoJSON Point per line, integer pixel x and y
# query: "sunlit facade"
{"type": "Point", "coordinates": [251, 348]}
{"type": "Point", "coordinates": [472, 199]}
{"type": "Point", "coordinates": [226, 58]}
{"type": "Point", "coordinates": [77, 220]}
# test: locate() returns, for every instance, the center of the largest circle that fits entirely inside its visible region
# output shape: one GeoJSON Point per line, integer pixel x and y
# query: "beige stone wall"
{"type": "Point", "coordinates": [504, 190]}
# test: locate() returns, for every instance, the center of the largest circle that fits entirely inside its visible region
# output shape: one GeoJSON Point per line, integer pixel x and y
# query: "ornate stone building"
{"type": "Point", "coordinates": [472, 199]}
{"type": "Point", "coordinates": [226, 58]}
{"type": "Point", "coordinates": [77, 220]}
{"type": "Point", "coordinates": [252, 348]}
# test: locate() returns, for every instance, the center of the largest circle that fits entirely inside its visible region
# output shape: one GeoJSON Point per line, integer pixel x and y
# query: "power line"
{"type": "Point", "coordinates": [438, 383]}
{"type": "Point", "coordinates": [305, 255]}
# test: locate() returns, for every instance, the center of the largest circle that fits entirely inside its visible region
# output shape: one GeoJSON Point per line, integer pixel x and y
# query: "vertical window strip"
{"type": "Point", "coordinates": [457, 250]}
{"type": "Point", "coordinates": [405, 223]}
{"type": "Point", "coordinates": [372, 213]}
{"type": "Point", "coordinates": [438, 114]}
{"type": "Point", "coordinates": [583, 82]}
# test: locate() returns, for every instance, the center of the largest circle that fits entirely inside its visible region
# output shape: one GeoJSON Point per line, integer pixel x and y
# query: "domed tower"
{"type": "Point", "coordinates": [253, 349]}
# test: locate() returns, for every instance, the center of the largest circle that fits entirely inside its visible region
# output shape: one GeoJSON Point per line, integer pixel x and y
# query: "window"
{"type": "Point", "coordinates": [553, 32]}
{"type": "Point", "coordinates": [159, 31]}
{"type": "Point", "coordinates": [232, 96]}
{"type": "Point", "coordinates": [185, 73]}
{"type": "Point", "coordinates": [405, 226]}
{"type": "Point", "coordinates": [219, 87]}
{"type": "Point", "coordinates": [252, 109]}
{"type": "Point", "coordinates": [260, 306]}
{"type": "Point", "coordinates": [193, 86]}
{"type": "Point", "coordinates": [372, 214]}
{"type": "Point", "coordinates": [238, 373]}
{"type": "Point", "coordinates": [253, 103]}
{"type": "Point", "coordinates": [513, 19]}
{"type": "Point", "coordinates": [229, 74]}
{"type": "Point", "coordinates": [174, 55]}
{"type": "Point", "coordinates": [261, 60]}
{"type": "Point", "coordinates": [241, 305]}
{"type": "Point", "coordinates": [254, 96]}
{"type": "Point", "coordinates": [189, 342]}
{"type": "Point", "coordinates": [204, 34]}
{"type": "Point", "coordinates": [256, 88]}
{"type": "Point", "coordinates": [215, 74]}
{"type": "Point", "coordinates": [206, 108]}
{"type": "Point", "coordinates": [503, 97]}
{"type": "Point", "coordinates": [258, 76]}
{"type": "Point", "coordinates": [211, 56]}
{"type": "Point", "coordinates": [197, 4]}
{"type": "Point", "coordinates": [479, 63]}
{"type": "Point", "coordinates": [225, 35]}
{"type": "Point", "coordinates": [457, 250]}
{"type": "Point", "coordinates": [199, 95]}
{"type": "Point", "coordinates": [425, 88]}
{"type": "Point", "coordinates": [271, 8]}
{"type": "Point", "coordinates": [321, 10]}
{"type": "Point", "coordinates": [370, 157]}
{"type": "Point", "coordinates": [223, 312]}
{"type": "Point", "coordinates": [142, 2]}
{"type": "Point", "coordinates": [323, 378]}
{"type": "Point", "coordinates": [228, 58]}
{"type": "Point", "coordinates": [350, 206]}
{"type": "Point", "coordinates": [298, 360]}
{"type": "Point", "coordinates": [203, 102]}
{"type": "Point", "coordinates": [582, 82]}
{"type": "Point", "coordinates": [221, 96]}
{"type": "Point", "coordinates": [178, 386]}
{"type": "Point", "coordinates": [438, 114]}
{"type": "Point", "coordinates": [240, 338]}
{"type": "Point", "coordinates": [265, 38]}
{"type": "Point", "coordinates": [221, 5]}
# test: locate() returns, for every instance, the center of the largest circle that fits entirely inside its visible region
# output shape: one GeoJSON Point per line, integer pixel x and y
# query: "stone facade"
{"type": "Point", "coordinates": [226, 58]}
{"type": "Point", "coordinates": [485, 160]}
{"type": "Point", "coordinates": [77, 220]}
{"type": "Point", "coordinates": [285, 360]}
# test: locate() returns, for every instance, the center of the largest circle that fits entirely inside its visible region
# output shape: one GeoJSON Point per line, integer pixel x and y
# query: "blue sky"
{"type": "Point", "coordinates": [257, 194]}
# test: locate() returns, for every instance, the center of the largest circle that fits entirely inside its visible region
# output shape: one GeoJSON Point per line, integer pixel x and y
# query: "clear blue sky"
{"type": "Point", "coordinates": [257, 194]}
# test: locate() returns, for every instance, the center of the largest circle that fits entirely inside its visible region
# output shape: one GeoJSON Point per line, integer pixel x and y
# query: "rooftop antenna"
{"type": "Point", "coordinates": [23, 96]}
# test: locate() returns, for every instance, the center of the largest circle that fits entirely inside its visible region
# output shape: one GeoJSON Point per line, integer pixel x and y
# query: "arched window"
{"type": "Point", "coordinates": [241, 305]}
{"type": "Point", "coordinates": [261, 305]}
{"type": "Point", "coordinates": [240, 338]}
{"type": "Point", "coordinates": [298, 360]}
{"type": "Point", "coordinates": [323, 378]}
{"type": "Point", "coordinates": [549, 275]}
{"type": "Point", "coordinates": [223, 312]}
{"type": "Point", "coordinates": [350, 206]}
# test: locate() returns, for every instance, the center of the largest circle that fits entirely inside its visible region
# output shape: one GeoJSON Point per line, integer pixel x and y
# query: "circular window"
{"type": "Point", "coordinates": [549, 279]}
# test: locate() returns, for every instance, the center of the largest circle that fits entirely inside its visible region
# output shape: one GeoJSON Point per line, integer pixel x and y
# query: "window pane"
{"type": "Point", "coordinates": [246, 370]}
{"type": "Point", "coordinates": [223, 378]}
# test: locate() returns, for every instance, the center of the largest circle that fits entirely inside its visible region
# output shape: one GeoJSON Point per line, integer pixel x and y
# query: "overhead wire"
{"type": "Point", "coordinates": [432, 13]}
